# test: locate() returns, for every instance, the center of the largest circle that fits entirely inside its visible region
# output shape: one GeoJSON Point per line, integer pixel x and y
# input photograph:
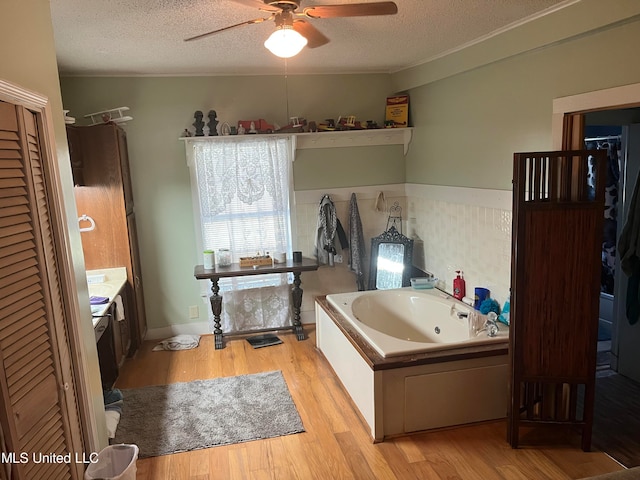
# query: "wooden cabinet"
{"type": "Point", "coordinates": [113, 340]}
{"type": "Point", "coordinates": [107, 197]}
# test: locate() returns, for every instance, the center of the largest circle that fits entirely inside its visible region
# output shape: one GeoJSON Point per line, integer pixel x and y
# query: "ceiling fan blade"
{"type": "Point", "coordinates": [248, 22]}
{"type": "Point", "coordinates": [259, 4]}
{"type": "Point", "coordinates": [315, 37]}
{"type": "Point", "coordinates": [351, 10]}
{"type": "Point", "coordinates": [250, 3]}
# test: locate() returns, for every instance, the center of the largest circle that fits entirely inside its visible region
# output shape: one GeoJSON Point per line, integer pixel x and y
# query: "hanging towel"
{"type": "Point", "coordinates": [629, 251]}
{"type": "Point", "coordinates": [119, 308]}
{"type": "Point", "coordinates": [342, 236]}
{"type": "Point", "coordinates": [356, 244]}
{"type": "Point", "coordinates": [326, 231]}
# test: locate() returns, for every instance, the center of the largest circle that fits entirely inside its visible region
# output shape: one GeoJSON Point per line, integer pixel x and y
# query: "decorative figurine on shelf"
{"type": "Point", "coordinates": [312, 126]}
{"type": "Point", "coordinates": [206, 130]}
{"type": "Point", "coordinates": [213, 123]}
{"type": "Point", "coordinates": [241, 130]}
{"type": "Point", "coordinates": [225, 129]}
{"type": "Point", "coordinates": [199, 124]}
{"type": "Point", "coordinates": [252, 128]}
{"type": "Point", "coordinates": [186, 133]}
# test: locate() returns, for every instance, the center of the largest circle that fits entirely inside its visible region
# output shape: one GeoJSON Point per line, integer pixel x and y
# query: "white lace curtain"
{"type": "Point", "coordinates": [244, 188]}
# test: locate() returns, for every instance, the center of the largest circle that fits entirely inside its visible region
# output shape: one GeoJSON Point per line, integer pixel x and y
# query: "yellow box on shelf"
{"type": "Point", "coordinates": [397, 112]}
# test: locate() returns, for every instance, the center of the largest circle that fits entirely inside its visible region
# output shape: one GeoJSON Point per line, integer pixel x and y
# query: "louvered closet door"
{"type": "Point", "coordinates": [39, 412]}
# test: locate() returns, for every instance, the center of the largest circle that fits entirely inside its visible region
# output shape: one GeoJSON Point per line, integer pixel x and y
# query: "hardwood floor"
{"type": "Point", "coordinates": [336, 443]}
{"type": "Point", "coordinates": [616, 424]}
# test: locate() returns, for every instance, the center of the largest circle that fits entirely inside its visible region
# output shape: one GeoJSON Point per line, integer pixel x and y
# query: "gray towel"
{"type": "Point", "coordinates": [356, 243]}
{"type": "Point", "coordinates": [326, 231]}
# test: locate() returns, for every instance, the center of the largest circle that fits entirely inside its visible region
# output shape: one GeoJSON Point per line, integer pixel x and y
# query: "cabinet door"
{"type": "Point", "coordinates": [121, 329]}
{"type": "Point", "coordinates": [138, 292]}
{"type": "Point", "coordinates": [106, 246]}
{"type": "Point", "coordinates": [38, 404]}
{"type": "Point", "coordinates": [75, 155]}
{"type": "Point", "coordinates": [108, 351]}
{"type": "Point", "coordinates": [127, 190]}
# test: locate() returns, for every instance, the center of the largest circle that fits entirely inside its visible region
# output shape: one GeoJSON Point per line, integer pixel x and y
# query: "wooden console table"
{"type": "Point", "coordinates": [235, 270]}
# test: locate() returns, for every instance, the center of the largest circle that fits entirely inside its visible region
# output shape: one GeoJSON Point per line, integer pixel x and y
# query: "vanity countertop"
{"type": "Point", "coordinates": [114, 280]}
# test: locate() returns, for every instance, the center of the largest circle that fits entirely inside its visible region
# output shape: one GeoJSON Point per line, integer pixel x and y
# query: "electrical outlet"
{"type": "Point", "coordinates": [337, 258]}
{"type": "Point", "coordinates": [194, 312]}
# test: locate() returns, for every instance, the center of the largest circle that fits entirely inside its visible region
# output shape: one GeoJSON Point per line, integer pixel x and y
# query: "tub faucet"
{"type": "Point", "coordinates": [490, 325]}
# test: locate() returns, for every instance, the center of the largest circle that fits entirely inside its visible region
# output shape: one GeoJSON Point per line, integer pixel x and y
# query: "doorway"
{"type": "Point", "coordinates": [615, 422]}
{"type": "Point", "coordinates": [617, 131]}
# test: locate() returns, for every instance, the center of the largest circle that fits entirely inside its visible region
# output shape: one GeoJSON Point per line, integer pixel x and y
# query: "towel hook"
{"type": "Point", "coordinates": [87, 218]}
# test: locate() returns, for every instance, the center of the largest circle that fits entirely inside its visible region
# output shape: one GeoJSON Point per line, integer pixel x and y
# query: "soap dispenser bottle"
{"type": "Point", "coordinates": [459, 289]}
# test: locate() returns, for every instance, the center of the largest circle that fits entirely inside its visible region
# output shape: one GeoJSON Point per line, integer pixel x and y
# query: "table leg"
{"type": "Point", "coordinates": [216, 308]}
{"type": "Point", "coordinates": [296, 297]}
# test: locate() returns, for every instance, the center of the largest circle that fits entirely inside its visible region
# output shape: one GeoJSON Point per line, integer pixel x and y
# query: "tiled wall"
{"type": "Point", "coordinates": [453, 228]}
{"type": "Point", "coordinates": [338, 279]}
{"type": "Point", "coordinates": [467, 229]}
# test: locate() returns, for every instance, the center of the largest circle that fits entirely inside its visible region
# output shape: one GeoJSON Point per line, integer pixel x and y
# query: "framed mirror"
{"type": "Point", "coordinates": [391, 255]}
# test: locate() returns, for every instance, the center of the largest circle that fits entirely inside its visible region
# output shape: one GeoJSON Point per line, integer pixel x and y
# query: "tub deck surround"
{"type": "Point", "coordinates": [376, 361]}
{"type": "Point", "coordinates": [411, 392]}
{"type": "Point", "coordinates": [403, 321]}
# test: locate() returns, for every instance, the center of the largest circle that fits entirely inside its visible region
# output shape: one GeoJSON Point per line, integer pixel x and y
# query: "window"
{"type": "Point", "coordinates": [242, 202]}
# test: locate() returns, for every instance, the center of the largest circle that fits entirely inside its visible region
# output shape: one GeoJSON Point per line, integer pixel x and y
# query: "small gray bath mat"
{"type": "Point", "coordinates": [266, 340]}
{"type": "Point", "coordinates": [181, 417]}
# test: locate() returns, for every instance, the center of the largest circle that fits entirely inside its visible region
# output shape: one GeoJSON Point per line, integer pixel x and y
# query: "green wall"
{"type": "Point", "coordinates": [468, 126]}
{"type": "Point", "coordinates": [162, 107]}
{"type": "Point", "coordinates": [348, 167]}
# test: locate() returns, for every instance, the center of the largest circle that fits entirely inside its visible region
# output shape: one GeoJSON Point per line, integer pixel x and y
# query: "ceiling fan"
{"type": "Point", "coordinates": [292, 34]}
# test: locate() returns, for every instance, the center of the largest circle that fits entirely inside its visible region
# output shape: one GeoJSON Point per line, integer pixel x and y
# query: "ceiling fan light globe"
{"type": "Point", "coordinates": [285, 43]}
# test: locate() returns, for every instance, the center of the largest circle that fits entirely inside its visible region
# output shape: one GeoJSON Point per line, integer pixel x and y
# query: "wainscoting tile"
{"type": "Point", "coordinates": [453, 227]}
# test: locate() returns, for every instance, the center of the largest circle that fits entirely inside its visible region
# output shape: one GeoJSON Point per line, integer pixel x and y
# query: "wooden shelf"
{"type": "Point", "coordinates": [347, 138]}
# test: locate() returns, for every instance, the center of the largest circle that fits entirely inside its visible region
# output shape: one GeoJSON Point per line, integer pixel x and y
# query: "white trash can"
{"type": "Point", "coordinates": [115, 462]}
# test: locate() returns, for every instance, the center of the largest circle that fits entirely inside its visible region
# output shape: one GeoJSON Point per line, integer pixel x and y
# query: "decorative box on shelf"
{"type": "Point", "coordinates": [257, 261]}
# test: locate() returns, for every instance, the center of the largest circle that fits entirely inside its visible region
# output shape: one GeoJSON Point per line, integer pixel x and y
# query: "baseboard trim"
{"type": "Point", "coordinates": [202, 328]}
{"type": "Point", "coordinates": [199, 328]}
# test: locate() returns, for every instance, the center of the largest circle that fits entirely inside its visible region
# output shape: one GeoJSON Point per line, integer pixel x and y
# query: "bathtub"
{"type": "Point", "coordinates": [404, 321]}
{"type": "Point", "coordinates": [411, 360]}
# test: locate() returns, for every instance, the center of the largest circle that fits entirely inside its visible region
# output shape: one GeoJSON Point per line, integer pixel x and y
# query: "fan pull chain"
{"type": "Point", "coordinates": [286, 89]}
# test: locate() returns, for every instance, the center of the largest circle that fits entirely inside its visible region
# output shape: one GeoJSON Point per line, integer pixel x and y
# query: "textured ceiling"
{"type": "Point", "coordinates": [145, 37]}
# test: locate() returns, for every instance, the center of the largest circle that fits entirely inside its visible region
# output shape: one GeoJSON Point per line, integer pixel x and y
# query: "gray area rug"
{"type": "Point", "coordinates": [180, 417]}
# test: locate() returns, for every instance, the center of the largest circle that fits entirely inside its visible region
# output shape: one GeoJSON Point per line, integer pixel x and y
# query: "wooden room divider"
{"type": "Point", "coordinates": [558, 209]}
